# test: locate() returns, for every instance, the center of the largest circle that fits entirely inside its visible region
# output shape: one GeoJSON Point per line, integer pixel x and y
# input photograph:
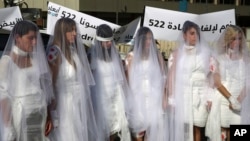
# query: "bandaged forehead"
{"type": "Point", "coordinates": [104, 39]}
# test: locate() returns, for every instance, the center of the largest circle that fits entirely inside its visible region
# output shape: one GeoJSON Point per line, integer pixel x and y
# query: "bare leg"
{"type": "Point", "coordinates": [113, 137]}
{"type": "Point", "coordinates": [228, 134]}
{"type": "Point", "coordinates": [225, 133]}
{"type": "Point", "coordinates": [197, 133]}
{"type": "Point", "coordinates": [140, 137]}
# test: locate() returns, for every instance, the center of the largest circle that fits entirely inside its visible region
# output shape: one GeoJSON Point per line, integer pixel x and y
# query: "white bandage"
{"type": "Point", "coordinates": [171, 101]}
{"type": "Point", "coordinates": [9, 134]}
{"type": "Point", "coordinates": [235, 104]}
{"type": "Point", "coordinates": [104, 39]}
{"type": "Point", "coordinates": [19, 52]}
{"type": "Point", "coordinates": [55, 120]}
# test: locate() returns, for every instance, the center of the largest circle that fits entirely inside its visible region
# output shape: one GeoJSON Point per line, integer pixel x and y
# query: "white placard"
{"type": "Point", "coordinates": [88, 24]}
{"type": "Point", "coordinates": [126, 34]}
{"type": "Point", "coordinates": [167, 24]}
{"type": "Point", "coordinates": [248, 34]}
{"type": "Point", "coordinates": [9, 17]}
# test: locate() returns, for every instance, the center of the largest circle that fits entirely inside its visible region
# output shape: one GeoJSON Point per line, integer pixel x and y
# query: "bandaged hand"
{"type": "Point", "coordinates": [234, 103]}
{"type": "Point", "coordinates": [9, 134]}
{"type": "Point", "coordinates": [209, 105]}
{"type": "Point", "coordinates": [171, 101]}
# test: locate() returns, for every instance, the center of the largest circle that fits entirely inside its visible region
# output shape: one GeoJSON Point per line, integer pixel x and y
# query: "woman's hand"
{"type": "Point", "coordinates": [48, 125]}
{"type": "Point", "coordinates": [234, 104]}
{"type": "Point", "coordinates": [209, 105]}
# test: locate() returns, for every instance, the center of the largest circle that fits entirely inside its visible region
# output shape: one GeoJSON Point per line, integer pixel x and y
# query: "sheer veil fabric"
{"type": "Point", "coordinates": [231, 63]}
{"type": "Point", "coordinates": [188, 83]}
{"type": "Point", "coordinates": [110, 93]}
{"type": "Point", "coordinates": [25, 85]}
{"type": "Point", "coordinates": [146, 73]}
{"type": "Point", "coordinates": [73, 113]}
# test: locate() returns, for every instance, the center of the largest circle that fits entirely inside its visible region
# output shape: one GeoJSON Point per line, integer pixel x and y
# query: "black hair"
{"type": "Point", "coordinates": [104, 31]}
{"type": "Point", "coordinates": [143, 31]}
{"type": "Point", "coordinates": [23, 27]}
{"type": "Point", "coordinates": [188, 25]}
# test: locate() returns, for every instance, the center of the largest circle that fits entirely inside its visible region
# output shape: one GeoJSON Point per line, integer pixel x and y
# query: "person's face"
{"type": "Point", "coordinates": [148, 40]}
{"type": "Point", "coordinates": [27, 42]}
{"type": "Point", "coordinates": [106, 44]}
{"type": "Point", "coordinates": [71, 36]}
{"type": "Point", "coordinates": [235, 42]}
{"type": "Point", "coordinates": [191, 37]}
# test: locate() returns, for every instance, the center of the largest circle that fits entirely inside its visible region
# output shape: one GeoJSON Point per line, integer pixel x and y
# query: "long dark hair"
{"type": "Point", "coordinates": [63, 26]}
{"type": "Point", "coordinates": [141, 38]}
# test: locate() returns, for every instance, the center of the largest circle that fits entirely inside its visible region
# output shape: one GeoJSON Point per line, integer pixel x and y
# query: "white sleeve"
{"type": "Point", "coordinates": [4, 64]}
{"type": "Point", "coordinates": [170, 60]}
{"type": "Point", "coordinates": [213, 65]}
{"type": "Point", "coordinates": [7, 131]}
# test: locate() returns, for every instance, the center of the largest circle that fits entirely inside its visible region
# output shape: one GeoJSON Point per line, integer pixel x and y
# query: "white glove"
{"type": "Point", "coordinates": [171, 101]}
{"type": "Point", "coordinates": [55, 120]}
{"type": "Point", "coordinates": [235, 103]}
{"type": "Point", "coordinates": [9, 134]}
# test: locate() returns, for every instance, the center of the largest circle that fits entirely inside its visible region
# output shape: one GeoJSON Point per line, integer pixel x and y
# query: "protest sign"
{"type": "Point", "coordinates": [88, 24]}
{"type": "Point", "coordinates": [167, 24]}
{"type": "Point", "coordinates": [9, 17]}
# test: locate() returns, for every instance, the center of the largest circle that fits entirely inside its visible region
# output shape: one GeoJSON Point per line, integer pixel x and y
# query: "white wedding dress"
{"type": "Point", "coordinates": [70, 90]}
{"type": "Point", "coordinates": [29, 108]}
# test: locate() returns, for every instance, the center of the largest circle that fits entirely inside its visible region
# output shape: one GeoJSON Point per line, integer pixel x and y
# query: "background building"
{"type": "Point", "coordinates": [124, 11]}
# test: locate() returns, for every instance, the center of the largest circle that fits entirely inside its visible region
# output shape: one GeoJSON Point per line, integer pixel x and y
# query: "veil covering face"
{"type": "Point", "coordinates": [231, 63]}
{"type": "Point", "coordinates": [147, 80]}
{"type": "Point", "coordinates": [109, 95]}
{"type": "Point", "coordinates": [73, 115]}
{"type": "Point", "coordinates": [188, 85]}
{"type": "Point", "coordinates": [25, 85]}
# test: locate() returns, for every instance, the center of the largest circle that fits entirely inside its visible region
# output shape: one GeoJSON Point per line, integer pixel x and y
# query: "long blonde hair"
{"type": "Point", "coordinates": [231, 32]}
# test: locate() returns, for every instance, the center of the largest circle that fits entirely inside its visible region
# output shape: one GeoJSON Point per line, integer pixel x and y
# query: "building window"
{"type": "Point", "coordinates": [172, 0]}
{"type": "Point", "coordinates": [226, 1]}
{"type": "Point", "coordinates": [204, 1]}
{"type": "Point", "coordinates": [244, 2]}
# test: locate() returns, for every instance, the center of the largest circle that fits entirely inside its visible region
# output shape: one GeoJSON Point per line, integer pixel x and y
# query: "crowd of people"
{"type": "Point", "coordinates": [58, 93]}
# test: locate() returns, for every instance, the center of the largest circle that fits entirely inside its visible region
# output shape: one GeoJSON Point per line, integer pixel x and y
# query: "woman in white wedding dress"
{"type": "Point", "coordinates": [189, 84]}
{"type": "Point", "coordinates": [25, 86]}
{"type": "Point", "coordinates": [109, 93]}
{"type": "Point", "coordinates": [73, 116]}
{"type": "Point", "coordinates": [146, 74]}
{"type": "Point", "coordinates": [231, 80]}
